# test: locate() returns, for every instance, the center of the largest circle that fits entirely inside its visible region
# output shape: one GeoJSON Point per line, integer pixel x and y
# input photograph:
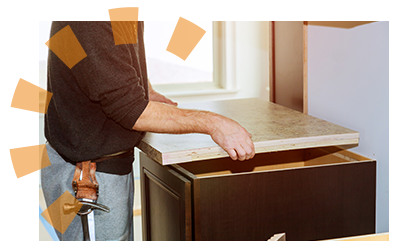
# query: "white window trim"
{"type": "Point", "coordinates": [224, 67]}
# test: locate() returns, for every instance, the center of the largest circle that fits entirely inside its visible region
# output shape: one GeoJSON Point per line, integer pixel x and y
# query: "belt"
{"type": "Point", "coordinates": [120, 154]}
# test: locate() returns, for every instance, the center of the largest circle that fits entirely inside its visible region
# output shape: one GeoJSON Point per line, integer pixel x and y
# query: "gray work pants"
{"type": "Point", "coordinates": [115, 191]}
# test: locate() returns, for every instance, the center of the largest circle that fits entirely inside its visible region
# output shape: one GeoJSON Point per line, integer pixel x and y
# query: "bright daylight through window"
{"type": "Point", "coordinates": [165, 68]}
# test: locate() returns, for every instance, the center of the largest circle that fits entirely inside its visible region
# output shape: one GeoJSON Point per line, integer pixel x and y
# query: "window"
{"type": "Point", "coordinates": [201, 71]}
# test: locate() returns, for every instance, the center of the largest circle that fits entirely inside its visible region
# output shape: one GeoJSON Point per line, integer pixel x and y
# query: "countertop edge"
{"type": "Point", "coordinates": [260, 147]}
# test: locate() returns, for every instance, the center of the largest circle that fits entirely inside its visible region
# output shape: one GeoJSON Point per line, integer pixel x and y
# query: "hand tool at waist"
{"type": "Point", "coordinates": [86, 190]}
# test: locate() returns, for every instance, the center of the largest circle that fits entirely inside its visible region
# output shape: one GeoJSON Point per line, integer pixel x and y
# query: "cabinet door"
{"type": "Point", "coordinates": [166, 202]}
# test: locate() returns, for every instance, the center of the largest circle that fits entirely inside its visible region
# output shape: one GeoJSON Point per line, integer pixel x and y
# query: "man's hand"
{"type": "Point", "coordinates": [233, 138]}
{"type": "Point", "coordinates": [157, 97]}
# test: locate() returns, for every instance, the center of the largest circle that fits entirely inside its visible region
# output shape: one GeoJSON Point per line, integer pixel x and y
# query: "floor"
{"type": "Point", "coordinates": [47, 233]}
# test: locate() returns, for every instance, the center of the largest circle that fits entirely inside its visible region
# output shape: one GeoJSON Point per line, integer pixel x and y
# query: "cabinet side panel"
{"type": "Point", "coordinates": [289, 64]}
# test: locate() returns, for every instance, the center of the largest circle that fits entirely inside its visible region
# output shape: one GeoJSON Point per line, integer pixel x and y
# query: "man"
{"type": "Point", "coordinates": [103, 106]}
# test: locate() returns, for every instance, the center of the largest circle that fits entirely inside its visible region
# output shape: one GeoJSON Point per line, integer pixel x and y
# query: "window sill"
{"type": "Point", "coordinates": [201, 92]}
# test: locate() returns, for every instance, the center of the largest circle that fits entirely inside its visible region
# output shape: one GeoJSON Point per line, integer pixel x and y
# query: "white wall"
{"type": "Point", "coordinates": [348, 84]}
{"type": "Point", "coordinates": [252, 59]}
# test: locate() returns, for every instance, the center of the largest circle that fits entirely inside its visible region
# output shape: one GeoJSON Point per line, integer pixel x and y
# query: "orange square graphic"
{"type": "Point", "coordinates": [124, 23]}
{"type": "Point", "coordinates": [67, 47]}
{"type": "Point", "coordinates": [27, 160]}
{"type": "Point", "coordinates": [62, 211]}
{"type": "Point", "coordinates": [185, 38]}
{"type": "Point", "coordinates": [124, 14]}
{"type": "Point", "coordinates": [181, 18]}
{"type": "Point", "coordinates": [30, 97]}
{"type": "Point", "coordinates": [124, 32]}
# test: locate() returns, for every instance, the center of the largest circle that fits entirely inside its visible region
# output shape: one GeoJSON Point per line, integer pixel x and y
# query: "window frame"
{"type": "Point", "coordinates": [223, 67]}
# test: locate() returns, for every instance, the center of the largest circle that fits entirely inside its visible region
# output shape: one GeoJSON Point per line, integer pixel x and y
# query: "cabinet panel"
{"type": "Point", "coordinates": [166, 203]}
{"type": "Point", "coordinates": [288, 63]}
{"type": "Point", "coordinates": [309, 203]}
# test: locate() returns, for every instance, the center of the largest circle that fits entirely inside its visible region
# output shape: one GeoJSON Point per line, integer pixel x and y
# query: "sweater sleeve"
{"type": "Point", "coordinates": [110, 74]}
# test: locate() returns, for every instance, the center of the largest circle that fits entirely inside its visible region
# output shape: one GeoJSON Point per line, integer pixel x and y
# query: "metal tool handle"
{"type": "Point", "coordinates": [87, 207]}
{"type": "Point", "coordinates": [85, 227]}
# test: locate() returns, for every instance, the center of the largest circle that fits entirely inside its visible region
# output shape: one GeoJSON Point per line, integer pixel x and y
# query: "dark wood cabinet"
{"type": "Point", "coordinates": [301, 182]}
{"type": "Point", "coordinates": [310, 194]}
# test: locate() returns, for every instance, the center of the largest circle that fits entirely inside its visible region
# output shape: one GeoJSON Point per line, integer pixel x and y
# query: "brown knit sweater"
{"type": "Point", "coordinates": [96, 103]}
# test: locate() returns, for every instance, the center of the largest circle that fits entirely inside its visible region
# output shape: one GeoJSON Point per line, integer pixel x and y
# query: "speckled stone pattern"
{"type": "Point", "coordinates": [273, 127]}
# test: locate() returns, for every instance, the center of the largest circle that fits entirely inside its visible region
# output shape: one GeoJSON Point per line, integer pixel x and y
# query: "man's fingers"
{"type": "Point", "coordinates": [251, 149]}
{"type": "Point", "coordinates": [243, 149]}
{"type": "Point", "coordinates": [232, 154]}
{"type": "Point", "coordinates": [249, 152]}
{"type": "Point", "coordinates": [241, 153]}
{"type": "Point", "coordinates": [248, 146]}
{"type": "Point", "coordinates": [169, 101]}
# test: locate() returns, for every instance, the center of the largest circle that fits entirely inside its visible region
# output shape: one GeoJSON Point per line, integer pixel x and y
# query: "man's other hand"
{"type": "Point", "coordinates": [157, 97]}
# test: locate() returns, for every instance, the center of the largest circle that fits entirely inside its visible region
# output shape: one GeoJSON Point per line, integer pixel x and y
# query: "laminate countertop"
{"type": "Point", "coordinates": [273, 128]}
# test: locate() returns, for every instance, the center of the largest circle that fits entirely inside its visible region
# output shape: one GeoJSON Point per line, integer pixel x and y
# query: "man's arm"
{"type": "Point", "coordinates": [164, 118]}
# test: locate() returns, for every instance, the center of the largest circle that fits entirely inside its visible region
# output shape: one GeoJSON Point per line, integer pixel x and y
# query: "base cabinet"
{"type": "Point", "coordinates": [309, 194]}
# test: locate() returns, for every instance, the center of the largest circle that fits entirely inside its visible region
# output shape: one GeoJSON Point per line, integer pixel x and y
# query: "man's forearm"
{"type": "Point", "coordinates": [227, 133]}
{"type": "Point", "coordinates": [162, 118]}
